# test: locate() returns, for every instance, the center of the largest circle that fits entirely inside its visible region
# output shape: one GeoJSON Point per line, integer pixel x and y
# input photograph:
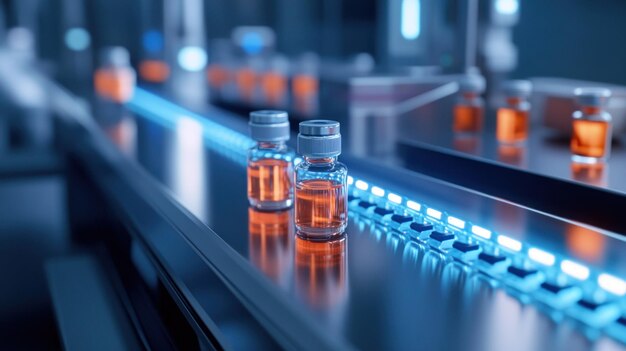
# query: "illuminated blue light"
{"type": "Point", "coordinates": [482, 232]}
{"type": "Point", "coordinates": [413, 205]}
{"type": "Point", "coordinates": [509, 243]}
{"type": "Point", "coordinates": [507, 7]}
{"type": "Point", "coordinates": [543, 257]}
{"type": "Point", "coordinates": [395, 198]}
{"type": "Point", "coordinates": [378, 191]}
{"type": "Point", "coordinates": [192, 58]}
{"type": "Point", "coordinates": [77, 39]}
{"type": "Point", "coordinates": [456, 222]}
{"type": "Point", "coordinates": [612, 284]}
{"type": "Point", "coordinates": [350, 180]}
{"type": "Point", "coordinates": [223, 140]}
{"type": "Point", "coordinates": [433, 213]}
{"type": "Point", "coordinates": [410, 24]}
{"type": "Point", "coordinates": [575, 270]}
{"type": "Point", "coordinates": [153, 41]}
{"type": "Point", "coordinates": [298, 160]}
{"type": "Point", "coordinates": [361, 185]}
{"type": "Point", "coordinates": [252, 43]}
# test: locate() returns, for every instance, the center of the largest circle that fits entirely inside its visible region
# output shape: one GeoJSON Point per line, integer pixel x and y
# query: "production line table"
{"type": "Point", "coordinates": [375, 288]}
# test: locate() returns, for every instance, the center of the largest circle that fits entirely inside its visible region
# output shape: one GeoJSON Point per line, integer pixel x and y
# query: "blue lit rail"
{"type": "Point", "coordinates": [596, 298]}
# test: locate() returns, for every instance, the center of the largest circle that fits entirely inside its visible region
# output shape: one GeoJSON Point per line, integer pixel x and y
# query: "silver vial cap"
{"type": "Point", "coordinates": [269, 125]}
{"type": "Point", "coordinates": [319, 138]}
{"type": "Point", "coordinates": [518, 88]}
{"type": "Point", "coordinates": [472, 83]}
{"type": "Point", "coordinates": [114, 56]}
{"type": "Point", "coordinates": [592, 96]}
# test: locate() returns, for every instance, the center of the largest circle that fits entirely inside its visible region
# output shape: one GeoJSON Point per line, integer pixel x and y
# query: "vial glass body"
{"type": "Point", "coordinates": [321, 197]}
{"type": "Point", "coordinates": [591, 136]}
{"type": "Point", "coordinates": [270, 176]}
{"type": "Point", "coordinates": [512, 121]}
{"type": "Point", "coordinates": [468, 114]}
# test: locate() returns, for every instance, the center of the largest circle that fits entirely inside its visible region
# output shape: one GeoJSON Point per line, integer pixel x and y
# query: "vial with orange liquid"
{"type": "Point", "coordinates": [115, 79]}
{"type": "Point", "coordinates": [274, 82]}
{"type": "Point", "coordinates": [321, 181]}
{"type": "Point", "coordinates": [513, 118]}
{"type": "Point", "coordinates": [469, 109]}
{"type": "Point", "coordinates": [591, 126]}
{"type": "Point", "coordinates": [270, 162]}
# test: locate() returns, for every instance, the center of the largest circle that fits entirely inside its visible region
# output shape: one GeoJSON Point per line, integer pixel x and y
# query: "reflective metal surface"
{"type": "Point", "coordinates": [545, 152]}
{"type": "Point", "coordinates": [375, 287]}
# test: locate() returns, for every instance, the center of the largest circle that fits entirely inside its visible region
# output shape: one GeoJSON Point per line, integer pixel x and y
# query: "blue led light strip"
{"type": "Point", "coordinates": [235, 146]}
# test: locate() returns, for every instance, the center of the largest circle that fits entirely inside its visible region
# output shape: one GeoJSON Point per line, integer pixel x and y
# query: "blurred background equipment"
{"type": "Point", "coordinates": [482, 173]}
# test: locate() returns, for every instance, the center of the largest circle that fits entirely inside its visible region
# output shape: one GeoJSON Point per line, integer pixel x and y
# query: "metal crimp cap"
{"type": "Point", "coordinates": [114, 56]}
{"type": "Point", "coordinates": [319, 138]}
{"type": "Point", "coordinates": [592, 96]}
{"type": "Point", "coordinates": [518, 88]}
{"type": "Point", "coordinates": [269, 125]}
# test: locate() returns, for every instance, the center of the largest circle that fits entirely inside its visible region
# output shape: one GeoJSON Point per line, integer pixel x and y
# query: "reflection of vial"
{"type": "Point", "coordinates": [321, 271]}
{"type": "Point", "coordinates": [115, 79]}
{"type": "Point", "coordinates": [468, 111]}
{"type": "Point", "coordinates": [321, 181]}
{"type": "Point", "coordinates": [591, 126]}
{"type": "Point", "coordinates": [512, 123]}
{"type": "Point", "coordinates": [270, 242]}
{"type": "Point", "coordinates": [270, 167]}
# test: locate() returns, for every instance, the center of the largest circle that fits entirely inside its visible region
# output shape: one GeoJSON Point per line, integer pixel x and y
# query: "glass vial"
{"type": "Point", "coordinates": [468, 111]}
{"type": "Point", "coordinates": [321, 181]}
{"type": "Point", "coordinates": [512, 120]}
{"type": "Point", "coordinates": [115, 79]}
{"type": "Point", "coordinates": [270, 162]}
{"type": "Point", "coordinates": [591, 126]}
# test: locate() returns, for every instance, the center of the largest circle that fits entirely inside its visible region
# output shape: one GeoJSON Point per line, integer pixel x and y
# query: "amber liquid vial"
{"type": "Point", "coordinates": [512, 125]}
{"type": "Point", "coordinates": [591, 126]}
{"type": "Point", "coordinates": [321, 181]}
{"type": "Point", "coordinates": [321, 207]}
{"type": "Point", "coordinates": [270, 162]}
{"type": "Point", "coordinates": [269, 183]}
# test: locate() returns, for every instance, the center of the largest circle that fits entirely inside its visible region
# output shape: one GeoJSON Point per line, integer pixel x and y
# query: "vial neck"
{"type": "Point", "coordinates": [271, 145]}
{"type": "Point", "coordinates": [470, 95]}
{"type": "Point", "coordinates": [320, 161]}
{"type": "Point", "coordinates": [591, 110]}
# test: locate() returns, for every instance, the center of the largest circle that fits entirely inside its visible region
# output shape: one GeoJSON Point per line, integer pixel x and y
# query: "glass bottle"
{"type": "Point", "coordinates": [591, 126]}
{"type": "Point", "coordinates": [468, 111]}
{"type": "Point", "coordinates": [512, 119]}
{"type": "Point", "coordinates": [115, 79]}
{"type": "Point", "coordinates": [270, 162]}
{"type": "Point", "coordinates": [321, 181]}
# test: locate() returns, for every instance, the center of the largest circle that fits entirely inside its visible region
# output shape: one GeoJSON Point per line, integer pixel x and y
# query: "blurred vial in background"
{"type": "Point", "coordinates": [274, 81]}
{"type": "Point", "coordinates": [247, 79]}
{"type": "Point", "coordinates": [219, 73]}
{"type": "Point", "coordinates": [305, 84]}
{"type": "Point", "coordinates": [591, 126]}
{"type": "Point", "coordinates": [321, 181]}
{"type": "Point", "coordinates": [270, 162]}
{"type": "Point", "coordinates": [469, 109]}
{"type": "Point", "coordinates": [512, 119]}
{"type": "Point", "coordinates": [115, 79]}
{"type": "Point", "coordinates": [271, 243]}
